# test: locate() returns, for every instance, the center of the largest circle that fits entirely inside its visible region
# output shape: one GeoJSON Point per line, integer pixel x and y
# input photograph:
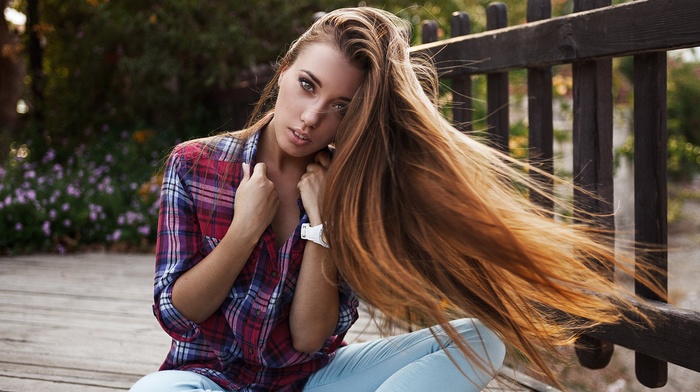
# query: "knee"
{"type": "Point", "coordinates": [146, 383]}
{"type": "Point", "coordinates": [485, 343]}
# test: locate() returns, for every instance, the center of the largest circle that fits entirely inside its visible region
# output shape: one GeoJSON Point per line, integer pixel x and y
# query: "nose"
{"type": "Point", "coordinates": [311, 116]}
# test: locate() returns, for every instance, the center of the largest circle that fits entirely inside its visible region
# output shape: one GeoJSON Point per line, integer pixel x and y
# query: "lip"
{"type": "Point", "coordinates": [295, 134]}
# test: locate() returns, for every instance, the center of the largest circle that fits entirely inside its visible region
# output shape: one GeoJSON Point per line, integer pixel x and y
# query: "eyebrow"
{"type": "Point", "coordinates": [315, 79]}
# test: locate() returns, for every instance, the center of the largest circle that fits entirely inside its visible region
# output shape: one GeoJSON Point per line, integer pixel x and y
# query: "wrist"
{"type": "Point", "coordinates": [243, 234]}
{"type": "Point", "coordinates": [314, 233]}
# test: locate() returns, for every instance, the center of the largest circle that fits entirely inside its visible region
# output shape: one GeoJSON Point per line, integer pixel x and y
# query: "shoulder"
{"type": "Point", "coordinates": [216, 148]}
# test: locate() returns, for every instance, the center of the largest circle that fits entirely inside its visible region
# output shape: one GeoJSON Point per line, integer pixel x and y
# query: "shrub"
{"type": "Point", "coordinates": [104, 195]}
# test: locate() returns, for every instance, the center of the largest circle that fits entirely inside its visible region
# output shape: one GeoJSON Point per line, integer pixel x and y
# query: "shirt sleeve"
{"type": "Point", "coordinates": [177, 246]}
{"type": "Point", "coordinates": [348, 309]}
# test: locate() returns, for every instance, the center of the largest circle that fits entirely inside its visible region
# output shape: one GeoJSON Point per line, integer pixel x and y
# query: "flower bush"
{"type": "Point", "coordinates": [102, 195]}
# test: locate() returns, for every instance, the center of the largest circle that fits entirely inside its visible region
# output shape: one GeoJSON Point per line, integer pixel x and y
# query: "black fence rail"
{"type": "Point", "coordinates": [588, 40]}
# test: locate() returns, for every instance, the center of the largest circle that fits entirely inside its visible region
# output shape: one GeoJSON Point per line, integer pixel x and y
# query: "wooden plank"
{"type": "Point", "coordinates": [497, 95]}
{"type": "Point", "coordinates": [620, 30]}
{"type": "Point", "coordinates": [54, 337]}
{"type": "Point", "coordinates": [593, 162]}
{"type": "Point", "coordinates": [675, 337]}
{"type": "Point", "coordinates": [540, 115]}
{"type": "Point", "coordinates": [593, 138]}
{"type": "Point", "coordinates": [429, 32]}
{"type": "Point", "coordinates": [15, 383]}
{"type": "Point", "coordinates": [650, 187]}
{"type": "Point", "coordinates": [461, 85]}
{"type": "Point", "coordinates": [83, 324]}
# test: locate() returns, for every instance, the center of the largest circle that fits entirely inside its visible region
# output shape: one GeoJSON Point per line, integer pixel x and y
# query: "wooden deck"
{"type": "Point", "coordinates": [83, 323]}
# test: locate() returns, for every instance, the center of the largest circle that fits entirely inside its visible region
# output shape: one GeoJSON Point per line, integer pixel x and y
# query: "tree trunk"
{"type": "Point", "coordinates": [36, 69]}
{"type": "Point", "coordinates": [11, 82]}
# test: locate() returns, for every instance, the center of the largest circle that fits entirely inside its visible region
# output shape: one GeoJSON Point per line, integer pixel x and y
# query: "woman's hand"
{"type": "Point", "coordinates": [311, 186]}
{"type": "Point", "coordinates": [256, 201]}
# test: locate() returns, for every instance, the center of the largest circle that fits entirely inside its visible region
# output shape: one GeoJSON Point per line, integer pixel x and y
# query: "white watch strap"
{"type": "Point", "coordinates": [313, 234]}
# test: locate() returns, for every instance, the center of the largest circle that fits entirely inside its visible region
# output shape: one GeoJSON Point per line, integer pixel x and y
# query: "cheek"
{"type": "Point", "coordinates": [330, 134]}
{"type": "Point", "coordinates": [289, 99]}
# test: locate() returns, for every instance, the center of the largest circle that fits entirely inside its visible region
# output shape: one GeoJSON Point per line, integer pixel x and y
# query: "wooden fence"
{"type": "Point", "coordinates": [589, 39]}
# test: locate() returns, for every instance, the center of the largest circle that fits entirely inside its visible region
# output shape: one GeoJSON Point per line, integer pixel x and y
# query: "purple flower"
{"type": "Point", "coordinates": [52, 214]}
{"type": "Point", "coordinates": [66, 223]}
{"type": "Point", "coordinates": [20, 196]}
{"type": "Point", "coordinates": [46, 228]}
{"type": "Point", "coordinates": [106, 186]}
{"type": "Point", "coordinates": [133, 217]}
{"type": "Point", "coordinates": [144, 230]}
{"type": "Point", "coordinates": [95, 212]}
{"type": "Point", "coordinates": [58, 171]}
{"type": "Point", "coordinates": [18, 226]}
{"type": "Point", "coordinates": [116, 235]}
{"type": "Point", "coordinates": [72, 190]}
{"type": "Point", "coordinates": [50, 156]}
{"type": "Point", "coordinates": [65, 207]}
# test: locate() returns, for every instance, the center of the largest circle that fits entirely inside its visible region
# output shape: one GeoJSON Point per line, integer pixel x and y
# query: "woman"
{"type": "Point", "coordinates": [267, 236]}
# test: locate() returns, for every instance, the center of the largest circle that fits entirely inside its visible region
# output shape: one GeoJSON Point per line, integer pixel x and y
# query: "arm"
{"type": "Point", "coordinates": [315, 307]}
{"type": "Point", "coordinates": [199, 291]}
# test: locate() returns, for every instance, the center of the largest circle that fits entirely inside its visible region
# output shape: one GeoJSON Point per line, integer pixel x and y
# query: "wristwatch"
{"type": "Point", "coordinates": [313, 234]}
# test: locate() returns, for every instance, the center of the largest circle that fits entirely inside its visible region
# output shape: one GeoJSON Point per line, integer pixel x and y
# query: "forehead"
{"type": "Point", "coordinates": [330, 66]}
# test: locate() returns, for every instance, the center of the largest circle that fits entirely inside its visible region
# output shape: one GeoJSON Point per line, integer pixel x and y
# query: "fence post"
{"type": "Point", "coordinates": [539, 106]}
{"type": "Point", "coordinates": [430, 31]}
{"type": "Point", "coordinates": [497, 86]}
{"type": "Point", "coordinates": [593, 160]}
{"type": "Point", "coordinates": [650, 187]}
{"type": "Point", "coordinates": [461, 85]}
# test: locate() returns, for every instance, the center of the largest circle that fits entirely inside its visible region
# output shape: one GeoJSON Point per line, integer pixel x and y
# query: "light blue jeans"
{"type": "Point", "coordinates": [409, 362]}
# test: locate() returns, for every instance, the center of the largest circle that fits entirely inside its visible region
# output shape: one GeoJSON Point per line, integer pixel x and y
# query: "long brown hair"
{"type": "Point", "coordinates": [420, 216]}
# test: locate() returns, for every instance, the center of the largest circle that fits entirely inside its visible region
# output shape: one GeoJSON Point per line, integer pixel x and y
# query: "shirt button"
{"type": "Point", "coordinates": [257, 313]}
{"type": "Point", "coordinates": [250, 351]}
{"type": "Point", "coordinates": [274, 274]}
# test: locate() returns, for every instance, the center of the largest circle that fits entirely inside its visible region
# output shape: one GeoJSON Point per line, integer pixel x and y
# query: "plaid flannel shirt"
{"type": "Point", "coordinates": [246, 344]}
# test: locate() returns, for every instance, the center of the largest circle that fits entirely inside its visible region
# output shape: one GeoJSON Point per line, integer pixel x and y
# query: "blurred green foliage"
{"type": "Point", "coordinates": [683, 114]}
{"type": "Point", "coordinates": [126, 80]}
{"type": "Point", "coordinates": [173, 66]}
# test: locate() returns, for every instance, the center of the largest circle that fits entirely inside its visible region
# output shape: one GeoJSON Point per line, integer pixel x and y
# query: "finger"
{"type": "Point", "coordinates": [260, 169]}
{"type": "Point", "coordinates": [323, 158]}
{"type": "Point", "coordinates": [246, 172]}
{"type": "Point", "coordinates": [313, 167]}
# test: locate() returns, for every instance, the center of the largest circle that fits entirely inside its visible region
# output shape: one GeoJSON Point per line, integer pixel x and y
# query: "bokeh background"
{"type": "Point", "coordinates": [94, 93]}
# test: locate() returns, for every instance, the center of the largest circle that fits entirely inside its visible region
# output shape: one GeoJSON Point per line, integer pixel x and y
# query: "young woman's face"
{"type": "Point", "coordinates": [314, 93]}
